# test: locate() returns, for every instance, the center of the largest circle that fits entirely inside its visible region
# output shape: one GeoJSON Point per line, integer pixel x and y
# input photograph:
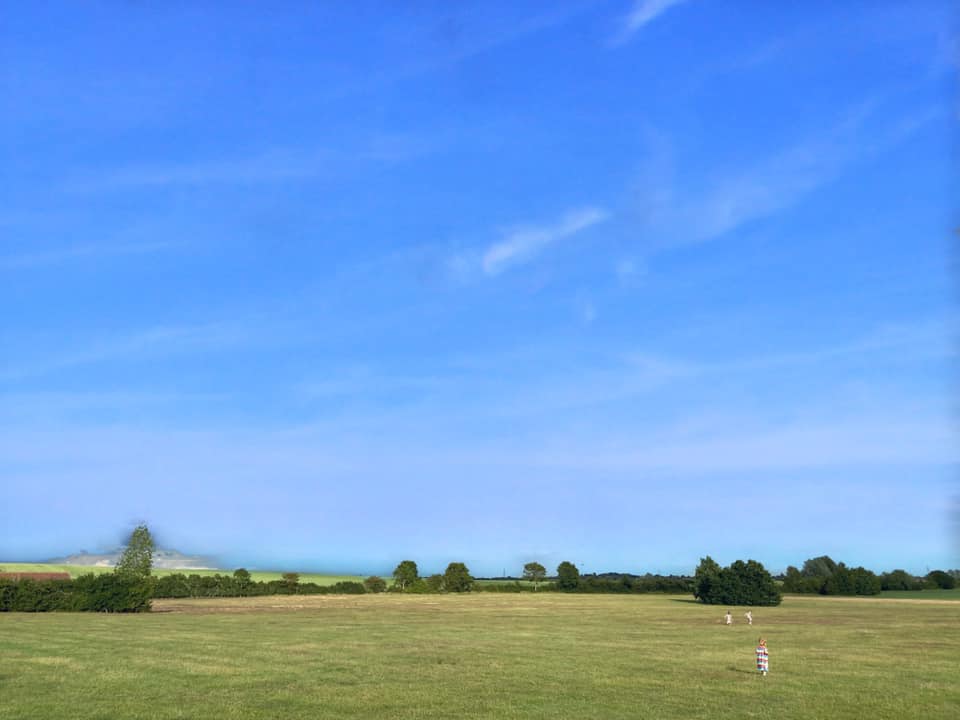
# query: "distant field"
{"type": "Point", "coordinates": [484, 655]}
{"type": "Point", "coordinates": [922, 594]}
{"type": "Point", "coordinates": [523, 583]}
{"type": "Point", "coordinates": [259, 575]}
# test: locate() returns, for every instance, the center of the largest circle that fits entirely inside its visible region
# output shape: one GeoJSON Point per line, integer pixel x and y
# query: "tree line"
{"type": "Point", "coordinates": [131, 586]}
{"type": "Point", "coordinates": [823, 576]}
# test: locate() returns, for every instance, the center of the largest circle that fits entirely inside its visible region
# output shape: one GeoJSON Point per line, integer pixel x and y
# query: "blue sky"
{"type": "Point", "coordinates": [622, 283]}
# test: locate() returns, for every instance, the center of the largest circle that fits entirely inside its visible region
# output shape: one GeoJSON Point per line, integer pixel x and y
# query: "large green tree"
{"type": "Point", "coordinates": [706, 579]}
{"type": "Point", "coordinates": [943, 580]}
{"type": "Point", "coordinates": [742, 583]}
{"type": "Point", "coordinates": [898, 580]}
{"type": "Point", "coordinates": [457, 578]}
{"type": "Point", "coordinates": [821, 567]}
{"type": "Point", "coordinates": [405, 574]}
{"type": "Point", "coordinates": [535, 573]}
{"type": "Point", "coordinates": [568, 577]}
{"type": "Point", "coordinates": [137, 558]}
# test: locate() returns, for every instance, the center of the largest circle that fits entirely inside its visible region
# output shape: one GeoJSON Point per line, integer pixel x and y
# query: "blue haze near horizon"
{"type": "Point", "coordinates": [326, 287]}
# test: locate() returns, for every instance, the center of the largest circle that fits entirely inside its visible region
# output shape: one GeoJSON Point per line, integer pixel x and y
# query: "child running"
{"type": "Point", "coordinates": [763, 658]}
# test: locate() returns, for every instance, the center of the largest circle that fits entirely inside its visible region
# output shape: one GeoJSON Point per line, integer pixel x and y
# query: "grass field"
{"type": "Point", "coordinates": [921, 594]}
{"type": "Point", "coordinates": [483, 656]}
{"type": "Point", "coordinates": [258, 575]}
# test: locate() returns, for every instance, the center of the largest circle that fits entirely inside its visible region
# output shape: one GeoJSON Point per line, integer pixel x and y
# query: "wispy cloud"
{"type": "Point", "coordinates": [643, 13]}
{"type": "Point", "coordinates": [270, 166]}
{"type": "Point", "coordinates": [766, 445]}
{"type": "Point", "coordinates": [155, 340]}
{"type": "Point", "coordinates": [81, 251]}
{"type": "Point", "coordinates": [729, 200]}
{"type": "Point", "coordinates": [522, 244]}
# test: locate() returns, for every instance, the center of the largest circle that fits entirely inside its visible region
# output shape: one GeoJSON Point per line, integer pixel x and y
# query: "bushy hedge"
{"type": "Point", "coordinates": [108, 592]}
{"type": "Point", "coordinates": [178, 585]}
{"type": "Point", "coordinates": [626, 583]}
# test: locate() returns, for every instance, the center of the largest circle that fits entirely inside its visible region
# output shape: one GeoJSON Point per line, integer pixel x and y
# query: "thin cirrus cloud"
{"type": "Point", "coordinates": [93, 251]}
{"type": "Point", "coordinates": [151, 341]}
{"type": "Point", "coordinates": [773, 184]}
{"type": "Point", "coordinates": [643, 13]}
{"type": "Point", "coordinates": [266, 167]}
{"type": "Point", "coordinates": [525, 243]}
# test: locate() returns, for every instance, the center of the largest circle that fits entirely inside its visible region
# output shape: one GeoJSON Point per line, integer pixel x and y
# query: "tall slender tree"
{"type": "Point", "coordinates": [137, 558]}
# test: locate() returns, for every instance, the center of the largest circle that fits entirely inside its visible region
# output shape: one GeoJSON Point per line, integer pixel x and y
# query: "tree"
{"type": "Point", "coordinates": [137, 557]}
{"type": "Point", "coordinates": [822, 567]}
{"type": "Point", "coordinates": [535, 572]}
{"type": "Point", "coordinates": [838, 583]}
{"type": "Point", "coordinates": [753, 585]}
{"type": "Point", "coordinates": [742, 583]}
{"type": "Point", "coordinates": [706, 579]}
{"type": "Point", "coordinates": [242, 579]}
{"type": "Point", "coordinates": [568, 577]}
{"type": "Point", "coordinates": [456, 578]}
{"type": "Point", "coordinates": [943, 580]}
{"type": "Point", "coordinates": [290, 581]}
{"type": "Point", "coordinates": [898, 580]}
{"type": "Point", "coordinates": [405, 574]}
{"type": "Point", "coordinates": [375, 584]}
{"type": "Point", "coordinates": [865, 582]}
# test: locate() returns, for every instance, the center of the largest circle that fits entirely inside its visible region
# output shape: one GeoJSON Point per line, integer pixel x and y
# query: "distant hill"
{"type": "Point", "coordinates": [162, 560]}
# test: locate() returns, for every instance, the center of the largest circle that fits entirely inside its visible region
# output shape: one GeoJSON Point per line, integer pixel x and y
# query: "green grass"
{"type": "Point", "coordinates": [545, 655]}
{"type": "Point", "coordinates": [922, 594]}
{"type": "Point", "coordinates": [523, 583]}
{"type": "Point", "coordinates": [259, 575]}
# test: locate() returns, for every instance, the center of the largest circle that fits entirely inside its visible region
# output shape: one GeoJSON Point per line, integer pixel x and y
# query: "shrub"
{"type": "Point", "coordinates": [375, 584]}
{"type": "Point", "coordinates": [420, 586]}
{"type": "Point", "coordinates": [434, 583]}
{"type": "Point", "coordinates": [113, 593]}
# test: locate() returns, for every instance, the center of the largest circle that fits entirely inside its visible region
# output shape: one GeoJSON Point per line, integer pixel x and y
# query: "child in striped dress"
{"type": "Point", "coordinates": [763, 659]}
